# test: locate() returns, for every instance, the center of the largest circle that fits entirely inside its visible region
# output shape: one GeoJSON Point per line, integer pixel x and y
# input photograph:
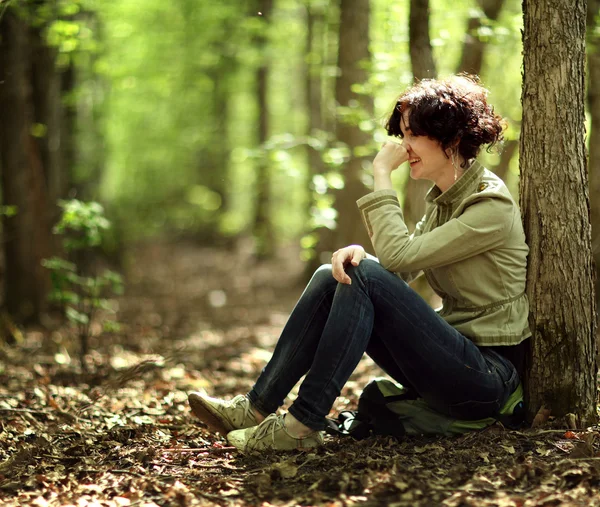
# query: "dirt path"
{"type": "Point", "coordinates": [122, 435]}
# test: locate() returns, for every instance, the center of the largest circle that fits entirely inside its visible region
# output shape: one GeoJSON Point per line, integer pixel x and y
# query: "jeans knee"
{"type": "Point", "coordinates": [323, 278]}
{"type": "Point", "coordinates": [367, 268]}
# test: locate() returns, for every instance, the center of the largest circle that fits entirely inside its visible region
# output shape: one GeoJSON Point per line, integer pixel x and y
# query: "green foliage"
{"type": "Point", "coordinates": [167, 109]}
{"type": "Point", "coordinates": [81, 224]}
{"type": "Point", "coordinates": [8, 211]}
{"type": "Point", "coordinates": [75, 286]}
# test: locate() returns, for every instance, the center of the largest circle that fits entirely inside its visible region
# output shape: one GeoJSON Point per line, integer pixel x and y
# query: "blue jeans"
{"type": "Point", "coordinates": [334, 324]}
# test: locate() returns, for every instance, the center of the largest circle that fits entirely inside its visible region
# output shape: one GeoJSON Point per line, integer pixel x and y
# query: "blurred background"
{"type": "Point", "coordinates": [242, 125]}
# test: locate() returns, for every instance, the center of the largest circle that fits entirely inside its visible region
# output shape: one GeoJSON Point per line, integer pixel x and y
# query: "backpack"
{"type": "Point", "coordinates": [387, 408]}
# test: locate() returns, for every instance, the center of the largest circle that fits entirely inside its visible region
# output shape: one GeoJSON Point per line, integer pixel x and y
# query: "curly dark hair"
{"type": "Point", "coordinates": [453, 111]}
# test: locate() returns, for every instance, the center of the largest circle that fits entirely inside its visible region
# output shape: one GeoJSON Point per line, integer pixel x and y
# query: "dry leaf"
{"type": "Point", "coordinates": [541, 417]}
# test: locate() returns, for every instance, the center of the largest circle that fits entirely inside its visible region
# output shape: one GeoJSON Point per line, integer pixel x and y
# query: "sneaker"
{"type": "Point", "coordinates": [272, 434]}
{"type": "Point", "coordinates": [223, 416]}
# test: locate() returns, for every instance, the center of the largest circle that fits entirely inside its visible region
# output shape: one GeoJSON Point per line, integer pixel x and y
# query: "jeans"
{"type": "Point", "coordinates": [334, 324]}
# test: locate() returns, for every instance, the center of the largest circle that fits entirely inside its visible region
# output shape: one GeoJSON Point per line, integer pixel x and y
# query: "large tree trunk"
{"type": "Point", "coordinates": [48, 114]}
{"type": "Point", "coordinates": [353, 53]}
{"type": "Point", "coordinates": [27, 234]}
{"type": "Point", "coordinates": [594, 135]}
{"type": "Point", "coordinates": [555, 204]}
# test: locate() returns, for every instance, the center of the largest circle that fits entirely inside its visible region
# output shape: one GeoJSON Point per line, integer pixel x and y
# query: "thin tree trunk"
{"type": "Point", "coordinates": [353, 54]}
{"type": "Point", "coordinates": [421, 55]}
{"type": "Point", "coordinates": [263, 225]}
{"type": "Point", "coordinates": [316, 27]}
{"type": "Point", "coordinates": [26, 235]}
{"type": "Point", "coordinates": [510, 148]}
{"type": "Point", "coordinates": [473, 46]}
{"type": "Point", "coordinates": [555, 203]}
{"type": "Point", "coordinates": [85, 151]}
{"type": "Point", "coordinates": [423, 67]}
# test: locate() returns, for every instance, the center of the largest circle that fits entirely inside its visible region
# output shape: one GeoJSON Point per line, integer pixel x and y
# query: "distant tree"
{"type": "Point", "coordinates": [353, 58]}
{"type": "Point", "coordinates": [423, 67]}
{"type": "Point", "coordinates": [474, 43]}
{"type": "Point", "coordinates": [314, 65]}
{"type": "Point", "coordinates": [263, 225]}
{"type": "Point", "coordinates": [29, 163]}
{"type": "Point", "coordinates": [555, 204]}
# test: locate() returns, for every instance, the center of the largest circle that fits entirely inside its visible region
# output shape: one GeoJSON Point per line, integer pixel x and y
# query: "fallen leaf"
{"type": "Point", "coordinates": [541, 417]}
{"type": "Point", "coordinates": [286, 469]}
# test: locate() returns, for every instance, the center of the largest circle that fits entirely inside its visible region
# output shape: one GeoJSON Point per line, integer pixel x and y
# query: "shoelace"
{"type": "Point", "coordinates": [271, 424]}
{"type": "Point", "coordinates": [242, 402]}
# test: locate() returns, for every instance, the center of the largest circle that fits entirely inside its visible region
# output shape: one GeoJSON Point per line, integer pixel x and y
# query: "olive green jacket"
{"type": "Point", "coordinates": [470, 245]}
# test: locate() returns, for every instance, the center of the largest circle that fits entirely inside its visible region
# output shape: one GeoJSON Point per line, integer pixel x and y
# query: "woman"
{"type": "Point", "coordinates": [464, 360]}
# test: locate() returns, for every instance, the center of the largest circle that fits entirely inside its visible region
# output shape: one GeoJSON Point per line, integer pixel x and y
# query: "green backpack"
{"type": "Point", "coordinates": [387, 408]}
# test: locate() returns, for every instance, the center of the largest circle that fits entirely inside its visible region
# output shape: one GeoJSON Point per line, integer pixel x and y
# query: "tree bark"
{"type": "Point", "coordinates": [27, 234]}
{"type": "Point", "coordinates": [594, 135]}
{"type": "Point", "coordinates": [353, 54]}
{"type": "Point", "coordinates": [555, 204]}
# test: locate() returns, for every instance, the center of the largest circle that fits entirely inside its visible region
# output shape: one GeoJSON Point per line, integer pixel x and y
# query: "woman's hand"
{"type": "Point", "coordinates": [389, 157]}
{"type": "Point", "coordinates": [352, 254]}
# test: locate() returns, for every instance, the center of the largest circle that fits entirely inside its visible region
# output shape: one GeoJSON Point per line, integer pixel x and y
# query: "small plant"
{"type": "Point", "coordinates": [75, 285]}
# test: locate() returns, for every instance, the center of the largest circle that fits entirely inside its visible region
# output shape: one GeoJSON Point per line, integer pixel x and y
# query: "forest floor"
{"type": "Point", "coordinates": [194, 318]}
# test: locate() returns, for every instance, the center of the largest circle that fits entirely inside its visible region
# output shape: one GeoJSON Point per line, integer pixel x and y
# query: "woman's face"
{"type": "Point", "coordinates": [425, 156]}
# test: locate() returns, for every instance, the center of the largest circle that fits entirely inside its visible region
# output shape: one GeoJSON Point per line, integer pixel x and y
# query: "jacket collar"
{"type": "Point", "coordinates": [460, 189]}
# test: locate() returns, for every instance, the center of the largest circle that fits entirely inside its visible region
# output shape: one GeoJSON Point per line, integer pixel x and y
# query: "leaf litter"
{"type": "Point", "coordinates": [121, 434]}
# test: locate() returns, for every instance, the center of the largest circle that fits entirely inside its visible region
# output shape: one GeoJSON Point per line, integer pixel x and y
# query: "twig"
{"type": "Point", "coordinates": [197, 465]}
{"type": "Point", "coordinates": [210, 450]}
{"type": "Point", "coordinates": [25, 411]}
{"type": "Point", "coordinates": [535, 433]}
{"type": "Point", "coordinates": [135, 474]}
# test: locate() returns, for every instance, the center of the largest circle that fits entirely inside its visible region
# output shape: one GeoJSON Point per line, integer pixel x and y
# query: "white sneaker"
{"type": "Point", "coordinates": [272, 434]}
{"type": "Point", "coordinates": [223, 416]}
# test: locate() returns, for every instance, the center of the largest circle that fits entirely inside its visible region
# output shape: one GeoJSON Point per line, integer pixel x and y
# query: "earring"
{"type": "Point", "coordinates": [455, 168]}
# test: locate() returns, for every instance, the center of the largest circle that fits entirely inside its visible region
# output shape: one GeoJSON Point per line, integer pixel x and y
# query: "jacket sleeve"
{"type": "Point", "coordinates": [409, 276]}
{"type": "Point", "coordinates": [483, 225]}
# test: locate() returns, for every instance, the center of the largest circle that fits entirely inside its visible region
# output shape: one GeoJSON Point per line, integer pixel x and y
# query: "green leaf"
{"type": "Point", "coordinates": [75, 316]}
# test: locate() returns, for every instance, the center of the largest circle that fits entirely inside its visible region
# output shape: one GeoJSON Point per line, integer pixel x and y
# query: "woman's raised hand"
{"type": "Point", "coordinates": [352, 254]}
{"type": "Point", "coordinates": [390, 156]}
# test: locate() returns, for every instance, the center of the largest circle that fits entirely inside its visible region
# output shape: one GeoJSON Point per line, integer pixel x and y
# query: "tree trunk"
{"type": "Point", "coordinates": [263, 225]}
{"type": "Point", "coordinates": [423, 67]}
{"type": "Point", "coordinates": [421, 55]}
{"type": "Point", "coordinates": [474, 47]}
{"type": "Point", "coordinates": [510, 148]}
{"type": "Point", "coordinates": [85, 148]}
{"type": "Point", "coordinates": [27, 234]}
{"type": "Point", "coordinates": [555, 204]}
{"type": "Point", "coordinates": [353, 54]}
{"type": "Point", "coordinates": [316, 29]}
{"type": "Point", "coordinates": [594, 135]}
{"type": "Point", "coordinates": [46, 95]}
